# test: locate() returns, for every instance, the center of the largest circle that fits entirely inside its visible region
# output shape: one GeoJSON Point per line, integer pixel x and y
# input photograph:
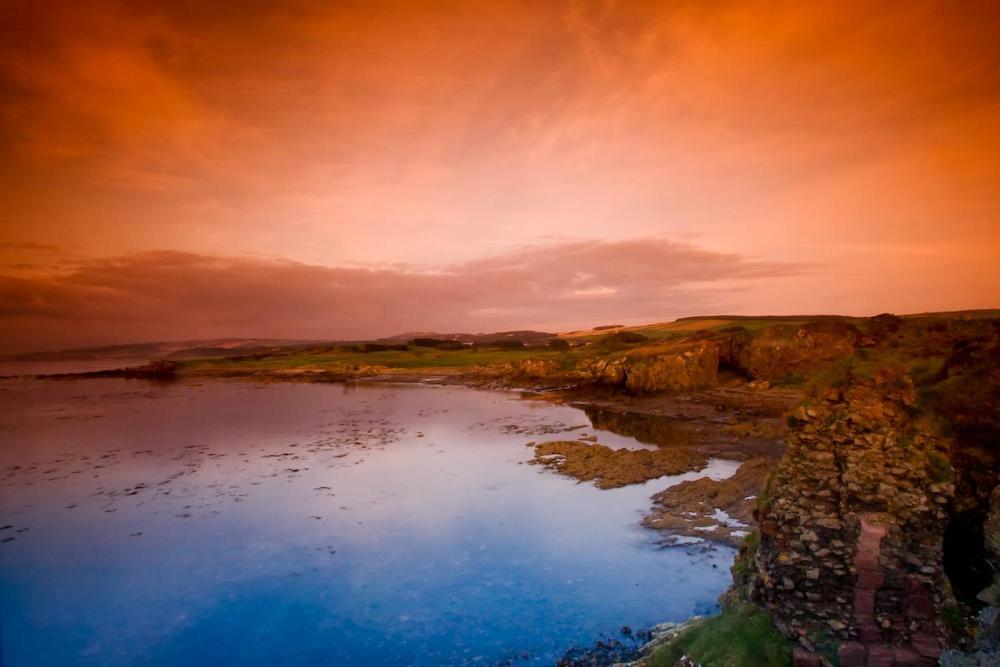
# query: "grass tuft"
{"type": "Point", "coordinates": [740, 636]}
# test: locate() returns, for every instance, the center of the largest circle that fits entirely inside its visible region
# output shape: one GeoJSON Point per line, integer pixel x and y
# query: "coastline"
{"type": "Point", "coordinates": [819, 414]}
{"type": "Point", "coordinates": [742, 422]}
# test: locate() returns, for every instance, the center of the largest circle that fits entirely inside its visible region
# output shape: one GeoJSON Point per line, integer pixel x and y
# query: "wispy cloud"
{"type": "Point", "coordinates": [170, 295]}
{"type": "Point", "coordinates": [422, 134]}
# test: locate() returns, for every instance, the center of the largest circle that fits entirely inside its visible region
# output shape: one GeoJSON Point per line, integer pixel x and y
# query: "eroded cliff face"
{"type": "Point", "coordinates": [776, 354]}
{"type": "Point", "coordinates": [660, 368]}
{"type": "Point", "coordinates": [852, 528]}
{"type": "Point", "coordinates": [786, 352]}
{"type": "Point", "coordinates": [991, 529]}
{"type": "Point", "coordinates": [879, 526]}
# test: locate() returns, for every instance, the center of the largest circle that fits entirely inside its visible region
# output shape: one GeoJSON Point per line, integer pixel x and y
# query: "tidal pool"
{"type": "Point", "coordinates": [313, 524]}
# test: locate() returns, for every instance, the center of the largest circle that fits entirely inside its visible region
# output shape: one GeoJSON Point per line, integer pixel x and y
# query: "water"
{"type": "Point", "coordinates": [290, 524]}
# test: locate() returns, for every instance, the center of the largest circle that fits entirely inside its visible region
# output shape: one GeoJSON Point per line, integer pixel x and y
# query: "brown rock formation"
{"type": "Point", "coordinates": [659, 368]}
{"type": "Point", "coordinates": [780, 352]}
{"type": "Point", "coordinates": [991, 537]}
{"type": "Point", "coordinates": [852, 526]}
{"type": "Point", "coordinates": [614, 467]}
{"type": "Point", "coordinates": [689, 508]}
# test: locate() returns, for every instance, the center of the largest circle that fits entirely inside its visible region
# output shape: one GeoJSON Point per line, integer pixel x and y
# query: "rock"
{"type": "Point", "coordinates": [804, 658]}
{"type": "Point", "coordinates": [688, 506]}
{"type": "Point", "coordinates": [852, 654]}
{"type": "Point", "coordinates": [783, 351]}
{"type": "Point", "coordinates": [881, 656]}
{"type": "Point", "coordinates": [612, 468]}
{"type": "Point", "coordinates": [662, 367]}
{"type": "Point", "coordinates": [859, 540]}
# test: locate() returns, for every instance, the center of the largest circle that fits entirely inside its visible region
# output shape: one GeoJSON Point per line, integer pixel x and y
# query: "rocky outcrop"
{"type": "Point", "coordinates": [159, 369]}
{"type": "Point", "coordinates": [611, 468]}
{"type": "Point", "coordinates": [543, 372]}
{"type": "Point", "coordinates": [964, 395]}
{"type": "Point", "coordinates": [782, 352]}
{"type": "Point", "coordinates": [852, 526]}
{"type": "Point", "coordinates": [778, 353]}
{"type": "Point", "coordinates": [719, 510]}
{"type": "Point", "coordinates": [660, 368]}
{"type": "Point", "coordinates": [985, 650]}
{"type": "Point", "coordinates": [991, 539]}
{"type": "Point", "coordinates": [658, 636]}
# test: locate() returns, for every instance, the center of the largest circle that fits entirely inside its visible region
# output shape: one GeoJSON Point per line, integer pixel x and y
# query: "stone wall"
{"type": "Point", "coordinates": [852, 526]}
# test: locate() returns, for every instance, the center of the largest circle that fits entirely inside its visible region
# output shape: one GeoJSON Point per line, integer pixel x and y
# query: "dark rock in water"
{"type": "Point", "coordinates": [160, 369]}
{"type": "Point", "coordinates": [643, 635]}
{"type": "Point", "coordinates": [517, 658]}
{"type": "Point", "coordinates": [601, 654]}
{"type": "Point", "coordinates": [627, 631]}
{"type": "Point", "coordinates": [612, 468]}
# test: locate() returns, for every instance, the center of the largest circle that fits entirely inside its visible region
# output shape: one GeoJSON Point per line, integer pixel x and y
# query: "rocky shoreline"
{"type": "Point", "coordinates": [868, 458]}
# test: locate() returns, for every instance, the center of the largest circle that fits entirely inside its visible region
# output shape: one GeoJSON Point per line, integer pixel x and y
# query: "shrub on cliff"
{"type": "Point", "coordinates": [503, 344]}
{"type": "Point", "coordinates": [624, 338]}
{"type": "Point", "coordinates": [381, 347]}
{"type": "Point", "coordinates": [438, 343]}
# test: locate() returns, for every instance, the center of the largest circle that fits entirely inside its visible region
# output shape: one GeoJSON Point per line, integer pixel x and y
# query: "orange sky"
{"type": "Point", "coordinates": [179, 169]}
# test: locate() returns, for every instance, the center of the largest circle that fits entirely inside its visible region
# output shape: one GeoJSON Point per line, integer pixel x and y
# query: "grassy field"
{"type": "Point", "coordinates": [657, 330]}
{"type": "Point", "coordinates": [414, 359]}
{"type": "Point", "coordinates": [920, 347]}
{"type": "Point", "coordinates": [687, 326]}
{"type": "Point", "coordinates": [417, 358]}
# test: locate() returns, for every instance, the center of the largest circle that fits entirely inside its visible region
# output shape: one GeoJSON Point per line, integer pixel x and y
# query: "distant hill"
{"type": "Point", "coordinates": [216, 347]}
{"type": "Point", "coordinates": [708, 322]}
{"type": "Point", "coordinates": [224, 347]}
{"type": "Point", "coordinates": [527, 337]}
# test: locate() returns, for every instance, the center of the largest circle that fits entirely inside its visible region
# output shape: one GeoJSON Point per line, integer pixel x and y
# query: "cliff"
{"type": "Point", "coordinates": [852, 529]}
{"type": "Point", "coordinates": [878, 531]}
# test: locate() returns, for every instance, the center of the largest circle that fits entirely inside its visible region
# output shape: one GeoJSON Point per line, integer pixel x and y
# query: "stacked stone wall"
{"type": "Point", "coordinates": [852, 526]}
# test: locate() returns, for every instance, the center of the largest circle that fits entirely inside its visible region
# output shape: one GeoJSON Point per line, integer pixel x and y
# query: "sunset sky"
{"type": "Point", "coordinates": [174, 169]}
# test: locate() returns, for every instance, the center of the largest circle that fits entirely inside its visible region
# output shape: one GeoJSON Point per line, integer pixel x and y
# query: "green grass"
{"type": "Point", "coordinates": [939, 468]}
{"type": "Point", "coordinates": [958, 618]}
{"type": "Point", "coordinates": [663, 337]}
{"type": "Point", "coordinates": [741, 636]}
{"type": "Point", "coordinates": [747, 556]}
{"type": "Point", "coordinates": [409, 359]}
{"type": "Point", "coordinates": [755, 325]}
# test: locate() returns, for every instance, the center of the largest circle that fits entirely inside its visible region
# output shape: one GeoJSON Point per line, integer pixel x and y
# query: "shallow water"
{"type": "Point", "coordinates": [292, 524]}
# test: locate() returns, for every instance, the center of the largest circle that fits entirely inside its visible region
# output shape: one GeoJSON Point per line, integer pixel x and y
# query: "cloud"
{"type": "Point", "coordinates": [432, 133]}
{"type": "Point", "coordinates": [169, 295]}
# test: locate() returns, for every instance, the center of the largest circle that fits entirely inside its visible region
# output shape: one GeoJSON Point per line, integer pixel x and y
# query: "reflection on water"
{"type": "Point", "coordinates": [232, 523]}
{"type": "Point", "coordinates": [644, 428]}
